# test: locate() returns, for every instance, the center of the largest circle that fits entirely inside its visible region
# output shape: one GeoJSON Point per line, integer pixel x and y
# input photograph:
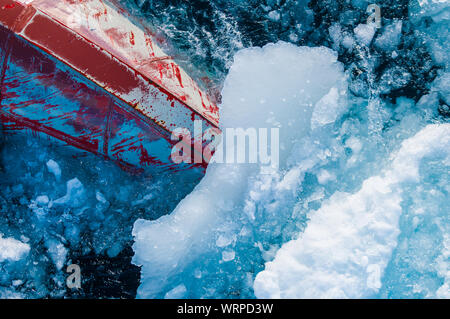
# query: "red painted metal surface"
{"type": "Point", "coordinates": [82, 72]}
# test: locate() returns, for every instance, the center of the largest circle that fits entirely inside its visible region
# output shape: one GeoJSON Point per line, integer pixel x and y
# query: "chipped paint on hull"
{"type": "Point", "coordinates": [89, 85]}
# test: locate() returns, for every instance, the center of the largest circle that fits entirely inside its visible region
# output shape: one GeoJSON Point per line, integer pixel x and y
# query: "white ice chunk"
{"type": "Point", "coordinates": [100, 197]}
{"type": "Point", "coordinates": [12, 249]}
{"type": "Point", "coordinates": [167, 246]}
{"type": "Point", "coordinates": [324, 176]}
{"type": "Point", "coordinates": [274, 15]}
{"type": "Point", "coordinates": [391, 36]}
{"type": "Point", "coordinates": [228, 255]}
{"type": "Point", "coordinates": [42, 200]}
{"type": "Point", "coordinates": [57, 252]}
{"type": "Point", "coordinates": [224, 240]}
{"type": "Point", "coordinates": [335, 32]}
{"type": "Point", "coordinates": [364, 33]}
{"type": "Point", "coordinates": [348, 42]}
{"type": "Point", "coordinates": [349, 240]}
{"type": "Point", "coordinates": [328, 109]}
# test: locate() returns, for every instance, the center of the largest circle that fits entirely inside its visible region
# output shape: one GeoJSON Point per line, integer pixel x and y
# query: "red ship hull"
{"type": "Point", "coordinates": [113, 97]}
